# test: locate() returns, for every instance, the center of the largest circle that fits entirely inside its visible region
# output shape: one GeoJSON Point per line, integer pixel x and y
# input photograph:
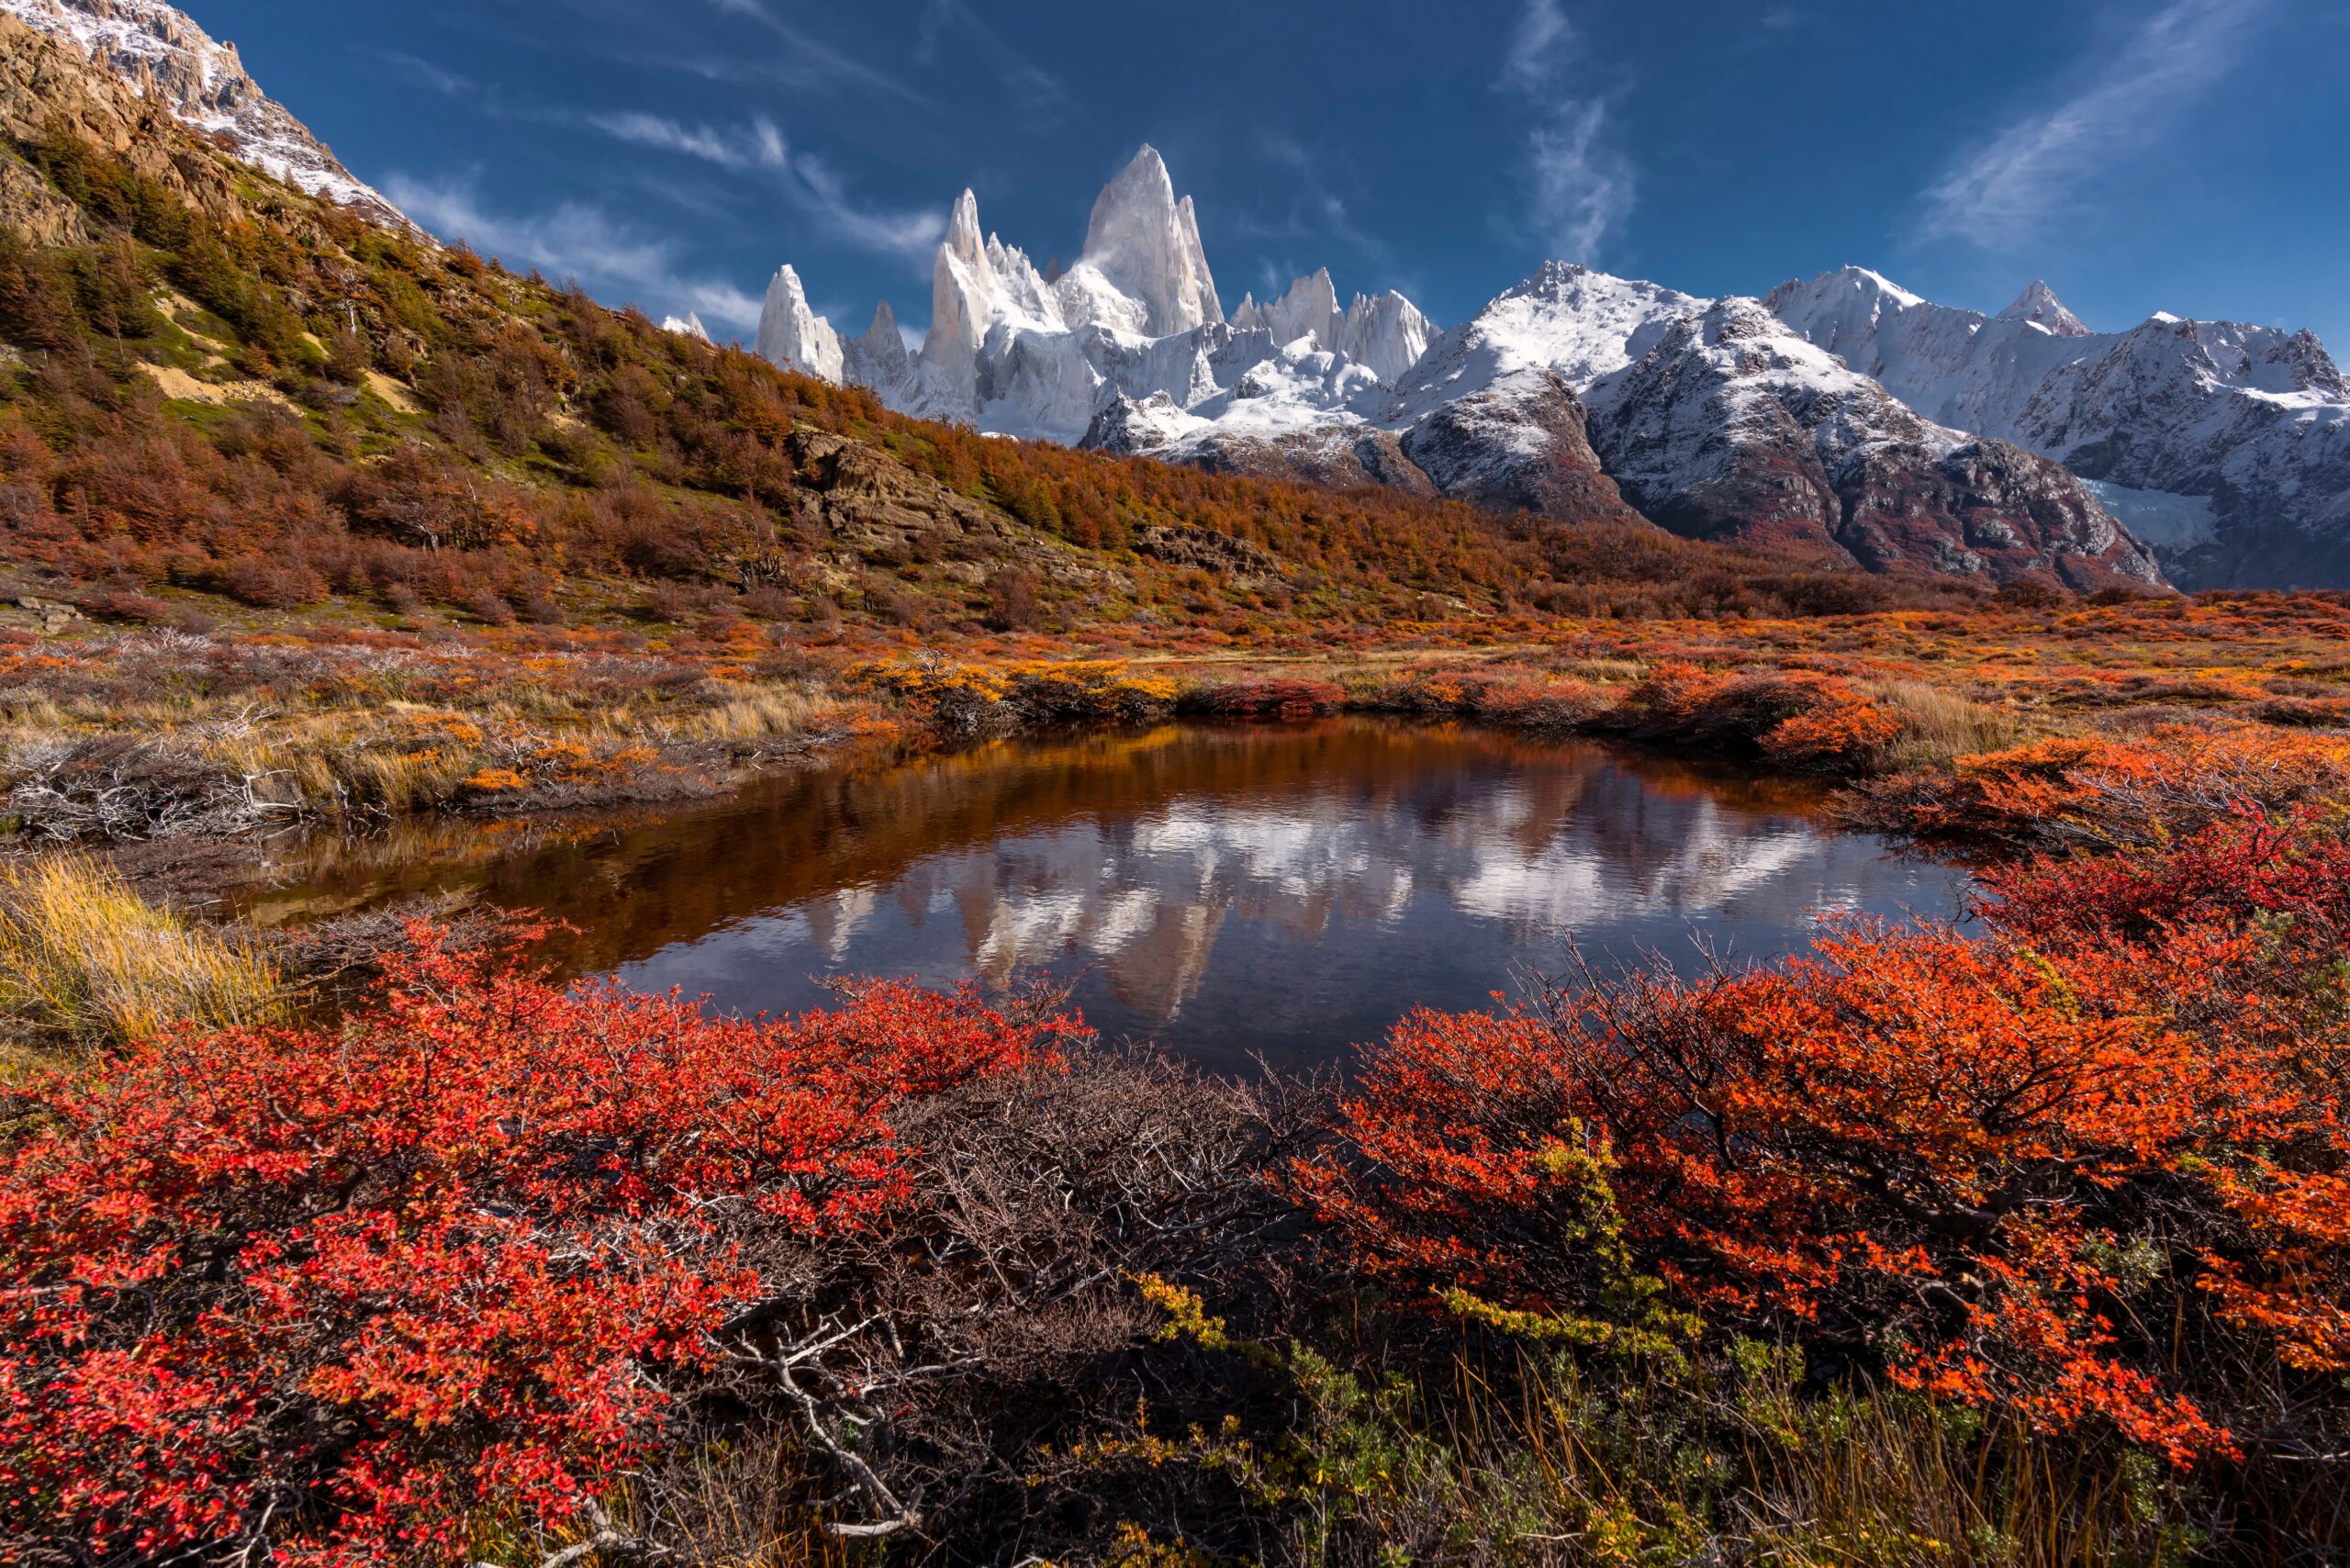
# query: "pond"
{"type": "Point", "coordinates": [1286, 892]}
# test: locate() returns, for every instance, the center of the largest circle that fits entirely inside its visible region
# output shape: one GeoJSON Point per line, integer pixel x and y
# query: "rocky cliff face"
{"type": "Point", "coordinates": [1521, 444]}
{"type": "Point", "coordinates": [2226, 445]}
{"type": "Point", "coordinates": [166, 60]}
{"type": "Point", "coordinates": [1732, 426]}
{"type": "Point", "coordinates": [47, 85]}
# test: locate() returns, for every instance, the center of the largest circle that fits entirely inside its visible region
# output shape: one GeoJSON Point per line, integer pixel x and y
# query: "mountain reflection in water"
{"type": "Point", "coordinates": [1285, 891]}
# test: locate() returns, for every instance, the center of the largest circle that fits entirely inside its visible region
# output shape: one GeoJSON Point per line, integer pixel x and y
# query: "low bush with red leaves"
{"type": "Point", "coordinates": [2091, 1171]}
{"type": "Point", "coordinates": [1272, 697]}
{"type": "Point", "coordinates": [352, 1297]}
{"type": "Point", "coordinates": [2090, 793]}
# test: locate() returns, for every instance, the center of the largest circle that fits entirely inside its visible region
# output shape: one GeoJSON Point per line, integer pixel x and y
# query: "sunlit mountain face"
{"type": "Point", "coordinates": [1286, 892]}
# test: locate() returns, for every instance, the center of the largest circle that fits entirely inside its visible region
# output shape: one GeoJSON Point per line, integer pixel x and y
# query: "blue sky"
{"type": "Point", "coordinates": [2187, 156]}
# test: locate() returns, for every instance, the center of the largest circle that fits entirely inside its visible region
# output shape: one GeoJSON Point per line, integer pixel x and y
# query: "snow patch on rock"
{"type": "Point", "coordinates": [162, 53]}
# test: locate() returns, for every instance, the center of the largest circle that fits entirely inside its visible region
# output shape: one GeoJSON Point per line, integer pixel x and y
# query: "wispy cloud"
{"type": "Point", "coordinates": [1581, 185]}
{"type": "Point", "coordinates": [756, 146]}
{"type": "Point", "coordinates": [810, 62]}
{"type": "Point", "coordinates": [440, 79]}
{"type": "Point", "coordinates": [1315, 216]}
{"type": "Point", "coordinates": [1043, 103]}
{"type": "Point", "coordinates": [1538, 48]}
{"type": "Point", "coordinates": [576, 240]}
{"type": "Point", "coordinates": [2005, 191]}
{"type": "Point", "coordinates": [807, 180]}
{"type": "Point", "coordinates": [910, 235]}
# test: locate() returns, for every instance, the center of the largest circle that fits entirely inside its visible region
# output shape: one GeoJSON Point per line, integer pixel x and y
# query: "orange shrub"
{"type": "Point", "coordinates": [2096, 793]}
{"type": "Point", "coordinates": [1267, 699]}
{"type": "Point", "coordinates": [2091, 1171]}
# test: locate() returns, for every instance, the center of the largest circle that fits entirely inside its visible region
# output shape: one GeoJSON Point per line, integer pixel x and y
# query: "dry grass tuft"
{"type": "Point", "coordinates": [84, 960]}
{"type": "Point", "coordinates": [1940, 726]}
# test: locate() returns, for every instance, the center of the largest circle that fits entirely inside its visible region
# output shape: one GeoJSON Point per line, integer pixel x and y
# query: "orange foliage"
{"type": "Point", "coordinates": [2077, 792]}
{"type": "Point", "coordinates": [2089, 1169]}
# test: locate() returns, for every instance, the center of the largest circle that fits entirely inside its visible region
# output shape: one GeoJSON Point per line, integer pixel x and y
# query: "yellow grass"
{"type": "Point", "coordinates": [1939, 725]}
{"type": "Point", "coordinates": [83, 959]}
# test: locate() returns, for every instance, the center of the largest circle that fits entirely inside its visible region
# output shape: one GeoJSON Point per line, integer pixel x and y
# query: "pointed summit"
{"type": "Point", "coordinates": [1310, 310]}
{"type": "Point", "coordinates": [2039, 305]}
{"type": "Point", "coordinates": [1143, 269]}
{"type": "Point", "coordinates": [878, 358]}
{"type": "Point", "coordinates": [963, 237]}
{"type": "Point", "coordinates": [795, 337]}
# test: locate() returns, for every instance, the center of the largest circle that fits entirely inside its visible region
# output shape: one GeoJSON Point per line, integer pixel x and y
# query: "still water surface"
{"type": "Point", "coordinates": [1282, 890]}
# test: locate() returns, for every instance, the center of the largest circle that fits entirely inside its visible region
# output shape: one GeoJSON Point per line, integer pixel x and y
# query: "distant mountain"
{"type": "Point", "coordinates": [1575, 395]}
{"type": "Point", "coordinates": [165, 58]}
{"type": "Point", "coordinates": [2225, 446]}
{"type": "Point", "coordinates": [1731, 426]}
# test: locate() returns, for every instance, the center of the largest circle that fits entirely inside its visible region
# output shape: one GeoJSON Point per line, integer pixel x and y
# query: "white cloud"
{"type": "Point", "coordinates": [1538, 49]}
{"type": "Point", "coordinates": [810, 62]}
{"type": "Point", "coordinates": [910, 235]}
{"type": "Point", "coordinates": [1042, 102]}
{"type": "Point", "coordinates": [758, 145]}
{"type": "Point", "coordinates": [2008, 189]}
{"type": "Point", "coordinates": [441, 80]}
{"type": "Point", "coordinates": [574, 240]}
{"type": "Point", "coordinates": [1581, 185]}
{"type": "Point", "coordinates": [806, 180]}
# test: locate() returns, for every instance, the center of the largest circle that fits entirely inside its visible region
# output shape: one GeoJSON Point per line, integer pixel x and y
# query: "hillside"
{"type": "Point", "coordinates": [221, 394]}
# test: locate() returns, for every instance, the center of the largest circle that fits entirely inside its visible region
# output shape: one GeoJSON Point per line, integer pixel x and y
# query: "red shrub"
{"type": "Point", "coordinates": [1269, 698]}
{"type": "Point", "coordinates": [2076, 793]}
{"type": "Point", "coordinates": [340, 1293]}
{"type": "Point", "coordinates": [2091, 1166]}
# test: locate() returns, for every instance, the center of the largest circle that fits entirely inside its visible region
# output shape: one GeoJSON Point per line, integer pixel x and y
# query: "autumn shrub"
{"type": "Point", "coordinates": [2094, 793]}
{"type": "Point", "coordinates": [958, 697]}
{"type": "Point", "coordinates": [360, 1296]}
{"type": "Point", "coordinates": [1500, 696]}
{"type": "Point", "coordinates": [2086, 1172]}
{"type": "Point", "coordinates": [1796, 718]}
{"type": "Point", "coordinates": [1274, 698]}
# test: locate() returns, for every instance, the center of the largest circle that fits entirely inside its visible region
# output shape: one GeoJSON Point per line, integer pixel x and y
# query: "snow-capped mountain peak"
{"type": "Point", "coordinates": [2227, 445]}
{"type": "Point", "coordinates": [162, 53]}
{"type": "Point", "coordinates": [792, 335]}
{"type": "Point", "coordinates": [2039, 305]}
{"type": "Point", "coordinates": [1143, 269]}
{"type": "Point", "coordinates": [1717, 410]}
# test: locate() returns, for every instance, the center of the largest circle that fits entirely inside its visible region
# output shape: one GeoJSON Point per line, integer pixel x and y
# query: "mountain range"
{"type": "Point", "coordinates": [1844, 414]}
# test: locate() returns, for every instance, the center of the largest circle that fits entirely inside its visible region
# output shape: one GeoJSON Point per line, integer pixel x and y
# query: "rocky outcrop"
{"type": "Point", "coordinates": [1521, 444]}
{"type": "Point", "coordinates": [167, 61]}
{"type": "Point", "coordinates": [1204, 549]}
{"type": "Point", "coordinates": [48, 88]}
{"type": "Point", "coordinates": [868, 504]}
{"type": "Point", "coordinates": [1732, 427]}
